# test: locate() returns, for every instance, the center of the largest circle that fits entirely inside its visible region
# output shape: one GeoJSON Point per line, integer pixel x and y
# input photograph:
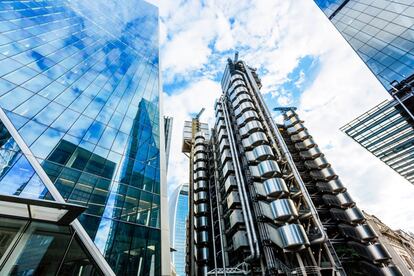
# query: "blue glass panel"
{"type": "Point", "coordinates": [79, 82]}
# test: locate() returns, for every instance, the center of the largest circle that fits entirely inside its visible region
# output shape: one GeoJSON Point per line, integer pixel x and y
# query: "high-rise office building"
{"type": "Point", "coordinates": [265, 198]}
{"type": "Point", "coordinates": [384, 131]}
{"type": "Point", "coordinates": [179, 214]}
{"type": "Point", "coordinates": [382, 33]}
{"type": "Point", "coordinates": [81, 131]}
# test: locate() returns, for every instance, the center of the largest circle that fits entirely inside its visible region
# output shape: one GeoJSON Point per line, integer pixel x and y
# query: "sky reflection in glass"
{"type": "Point", "coordinates": [81, 88]}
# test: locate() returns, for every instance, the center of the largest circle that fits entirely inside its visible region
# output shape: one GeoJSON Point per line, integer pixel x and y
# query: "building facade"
{"type": "Point", "coordinates": [266, 200]}
{"type": "Point", "coordinates": [179, 215]}
{"type": "Point", "coordinates": [384, 132]}
{"type": "Point", "coordinates": [81, 125]}
{"type": "Point", "coordinates": [399, 244]}
{"type": "Point", "coordinates": [382, 34]}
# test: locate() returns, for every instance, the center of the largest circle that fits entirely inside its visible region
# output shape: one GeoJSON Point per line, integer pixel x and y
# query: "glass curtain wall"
{"type": "Point", "coordinates": [79, 84]}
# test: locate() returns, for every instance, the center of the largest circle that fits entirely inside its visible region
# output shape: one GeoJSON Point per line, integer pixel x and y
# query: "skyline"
{"type": "Point", "coordinates": [307, 76]}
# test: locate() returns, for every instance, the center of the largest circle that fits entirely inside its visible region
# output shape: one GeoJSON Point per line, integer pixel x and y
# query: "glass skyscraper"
{"type": "Point", "coordinates": [382, 34]}
{"type": "Point", "coordinates": [80, 125]}
{"type": "Point", "coordinates": [380, 31]}
{"type": "Point", "coordinates": [179, 214]}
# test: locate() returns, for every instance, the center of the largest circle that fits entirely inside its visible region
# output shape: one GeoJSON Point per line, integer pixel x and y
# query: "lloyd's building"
{"type": "Point", "coordinates": [82, 157]}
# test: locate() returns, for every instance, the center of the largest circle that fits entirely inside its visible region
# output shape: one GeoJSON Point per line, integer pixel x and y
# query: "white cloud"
{"type": "Point", "coordinates": [274, 36]}
{"type": "Point", "coordinates": [189, 100]}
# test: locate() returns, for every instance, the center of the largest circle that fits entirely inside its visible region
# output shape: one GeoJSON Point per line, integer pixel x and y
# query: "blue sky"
{"type": "Point", "coordinates": [302, 61]}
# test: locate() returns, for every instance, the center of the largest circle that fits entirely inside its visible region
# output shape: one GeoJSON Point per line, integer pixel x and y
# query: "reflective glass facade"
{"type": "Point", "coordinates": [38, 248]}
{"type": "Point", "coordinates": [79, 82]}
{"type": "Point", "coordinates": [380, 31]}
{"type": "Point", "coordinates": [385, 133]}
{"type": "Point", "coordinates": [179, 229]}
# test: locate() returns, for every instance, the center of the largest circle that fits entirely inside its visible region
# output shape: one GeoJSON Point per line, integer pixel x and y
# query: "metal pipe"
{"type": "Point", "coordinates": [286, 154]}
{"type": "Point", "coordinates": [242, 189]}
{"type": "Point", "coordinates": [218, 199]}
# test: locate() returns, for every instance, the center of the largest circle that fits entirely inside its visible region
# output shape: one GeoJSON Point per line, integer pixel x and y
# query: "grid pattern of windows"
{"type": "Point", "coordinates": [79, 82]}
{"type": "Point", "coordinates": [380, 31]}
{"type": "Point", "coordinates": [385, 133]}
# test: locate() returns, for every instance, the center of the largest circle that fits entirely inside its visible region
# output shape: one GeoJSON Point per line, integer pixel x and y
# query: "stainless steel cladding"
{"type": "Point", "coordinates": [268, 168]}
{"type": "Point", "coordinates": [243, 107]}
{"type": "Point", "coordinates": [317, 163]}
{"type": "Point", "coordinates": [236, 218]}
{"type": "Point", "coordinates": [267, 201]}
{"type": "Point", "coordinates": [230, 183]}
{"type": "Point", "coordinates": [200, 185]}
{"type": "Point", "coordinates": [374, 252]}
{"type": "Point", "coordinates": [280, 210]}
{"type": "Point", "coordinates": [233, 200]}
{"type": "Point", "coordinates": [333, 186]}
{"type": "Point", "coordinates": [290, 237]}
{"type": "Point", "coordinates": [351, 215]}
{"type": "Point", "coordinates": [341, 200]}
{"type": "Point", "coordinates": [325, 174]}
{"type": "Point", "coordinates": [201, 209]}
{"type": "Point", "coordinates": [362, 233]}
{"type": "Point", "coordinates": [259, 153]}
{"type": "Point", "coordinates": [201, 223]}
{"type": "Point", "coordinates": [311, 153]}
{"type": "Point", "coordinates": [250, 127]}
{"type": "Point", "coordinates": [247, 117]}
{"type": "Point", "coordinates": [241, 99]}
{"type": "Point", "coordinates": [255, 139]}
{"type": "Point", "coordinates": [239, 240]}
{"type": "Point", "coordinates": [271, 188]}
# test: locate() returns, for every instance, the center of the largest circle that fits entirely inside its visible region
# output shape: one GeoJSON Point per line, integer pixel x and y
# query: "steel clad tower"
{"type": "Point", "coordinates": [266, 201]}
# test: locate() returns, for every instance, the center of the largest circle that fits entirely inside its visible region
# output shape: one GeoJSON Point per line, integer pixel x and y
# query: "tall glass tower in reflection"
{"type": "Point", "coordinates": [382, 34]}
{"type": "Point", "coordinates": [81, 126]}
